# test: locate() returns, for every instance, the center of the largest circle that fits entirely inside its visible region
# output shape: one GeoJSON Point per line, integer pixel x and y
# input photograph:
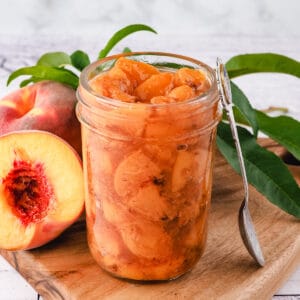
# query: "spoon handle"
{"type": "Point", "coordinates": [226, 101]}
{"type": "Point", "coordinates": [229, 113]}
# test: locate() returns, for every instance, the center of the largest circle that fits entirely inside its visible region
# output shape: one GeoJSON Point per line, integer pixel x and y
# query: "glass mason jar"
{"type": "Point", "coordinates": [148, 174]}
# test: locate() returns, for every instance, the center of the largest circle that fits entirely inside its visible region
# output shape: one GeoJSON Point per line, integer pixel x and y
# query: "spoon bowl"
{"type": "Point", "coordinates": [248, 235]}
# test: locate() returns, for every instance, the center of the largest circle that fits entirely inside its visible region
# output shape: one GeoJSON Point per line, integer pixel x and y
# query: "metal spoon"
{"type": "Point", "coordinates": [246, 227]}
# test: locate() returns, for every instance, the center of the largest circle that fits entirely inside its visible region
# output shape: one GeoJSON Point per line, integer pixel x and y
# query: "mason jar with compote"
{"type": "Point", "coordinates": [148, 129]}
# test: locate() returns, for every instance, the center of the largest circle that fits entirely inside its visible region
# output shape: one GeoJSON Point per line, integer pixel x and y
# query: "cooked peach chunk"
{"type": "Point", "coordinates": [156, 85]}
{"type": "Point", "coordinates": [137, 71]}
{"type": "Point", "coordinates": [182, 93]}
{"type": "Point", "coordinates": [193, 78]}
{"type": "Point", "coordinates": [111, 83]}
{"type": "Point", "coordinates": [132, 81]}
{"type": "Point", "coordinates": [134, 172]}
{"type": "Point", "coordinates": [120, 95]}
{"type": "Point", "coordinates": [162, 99]}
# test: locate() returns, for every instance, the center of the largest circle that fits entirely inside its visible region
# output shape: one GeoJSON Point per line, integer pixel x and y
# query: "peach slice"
{"type": "Point", "coordinates": [107, 239]}
{"type": "Point", "coordinates": [149, 203]}
{"type": "Point", "coordinates": [41, 188]}
{"type": "Point", "coordinates": [134, 172]}
{"type": "Point", "coordinates": [115, 213]}
{"type": "Point", "coordinates": [146, 239]}
{"type": "Point", "coordinates": [191, 165]}
{"type": "Point", "coordinates": [182, 170]}
{"type": "Point", "coordinates": [128, 121]}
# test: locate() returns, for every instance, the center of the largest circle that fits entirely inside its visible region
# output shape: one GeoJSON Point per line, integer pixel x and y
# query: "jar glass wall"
{"type": "Point", "coordinates": [148, 174]}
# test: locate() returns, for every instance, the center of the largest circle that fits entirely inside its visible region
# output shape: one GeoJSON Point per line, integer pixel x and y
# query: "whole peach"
{"type": "Point", "coordinates": [46, 105]}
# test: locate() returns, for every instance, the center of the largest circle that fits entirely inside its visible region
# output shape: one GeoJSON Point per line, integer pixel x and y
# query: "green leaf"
{"type": "Point", "coordinates": [265, 170]}
{"type": "Point", "coordinates": [239, 118]}
{"type": "Point", "coordinates": [262, 62]}
{"type": "Point", "coordinates": [47, 73]}
{"type": "Point", "coordinates": [54, 59]}
{"type": "Point", "coordinates": [121, 34]}
{"type": "Point", "coordinates": [80, 60]}
{"type": "Point", "coordinates": [283, 129]}
{"type": "Point", "coordinates": [242, 103]}
{"type": "Point", "coordinates": [170, 65]}
{"type": "Point", "coordinates": [126, 50]}
{"type": "Point", "coordinates": [29, 80]}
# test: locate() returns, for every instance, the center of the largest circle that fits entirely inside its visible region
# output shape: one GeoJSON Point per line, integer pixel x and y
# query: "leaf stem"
{"type": "Point", "coordinates": [275, 109]}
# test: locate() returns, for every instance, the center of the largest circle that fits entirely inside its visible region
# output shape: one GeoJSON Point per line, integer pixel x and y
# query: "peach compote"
{"type": "Point", "coordinates": [148, 130]}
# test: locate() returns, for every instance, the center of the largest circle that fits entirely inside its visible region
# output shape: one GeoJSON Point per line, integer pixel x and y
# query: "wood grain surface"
{"type": "Point", "coordinates": [64, 269]}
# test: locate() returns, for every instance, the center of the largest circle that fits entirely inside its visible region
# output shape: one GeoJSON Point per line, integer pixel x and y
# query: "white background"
{"type": "Point", "coordinates": [256, 17]}
{"type": "Point", "coordinates": [202, 29]}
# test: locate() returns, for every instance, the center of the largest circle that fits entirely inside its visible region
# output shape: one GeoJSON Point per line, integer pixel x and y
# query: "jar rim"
{"type": "Point", "coordinates": [84, 80]}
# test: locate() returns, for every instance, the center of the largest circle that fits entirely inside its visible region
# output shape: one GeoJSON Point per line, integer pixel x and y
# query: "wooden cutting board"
{"type": "Point", "coordinates": [64, 269]}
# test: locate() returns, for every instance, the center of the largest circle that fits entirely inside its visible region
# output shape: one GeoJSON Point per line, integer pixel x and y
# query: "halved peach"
{"type": "Point", "coordinates": [45, 105]}
{"type": "Point", "coordinates": [41, 191]}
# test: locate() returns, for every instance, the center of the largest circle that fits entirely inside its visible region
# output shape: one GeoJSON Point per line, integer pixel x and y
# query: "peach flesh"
{"type": "Point", "coordinates": [28, 191]}
{"type": "Point", "coordinates": [63, 180]}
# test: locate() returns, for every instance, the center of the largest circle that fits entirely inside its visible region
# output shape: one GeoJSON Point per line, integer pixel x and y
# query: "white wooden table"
{"type": "Point", "coordinates": [263, 90]}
